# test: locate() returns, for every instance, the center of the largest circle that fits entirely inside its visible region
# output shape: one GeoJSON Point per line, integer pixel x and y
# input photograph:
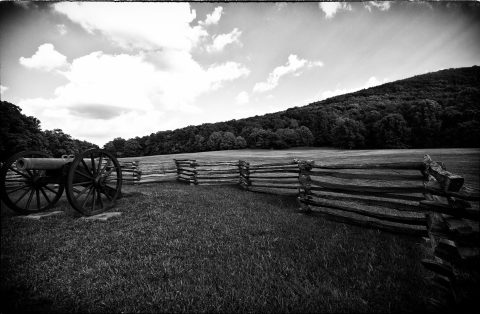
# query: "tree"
{"type": "Point", "coordinates": [289, 136]}
{"type": "Point", "coordinates": [392, 131]}
{"type": "Point", "coordinates": [240, 142]}
{"type": "Point", "coordinates": [214, 140]}
{"type": "Point", "coordinates": [60, 143]}
{"type": "Point", "coordinates": [132, 148]}
{"type": "Point", "coordinates": [305, 136]}
{"type": "Point", "coordinates": [264, 138]}
{"type": "Point", "coordinates": [116, 146]}
{"type": "Point", "coordinates": [424, 118]}
{"type": "Point", "coordinates": [228, 141]}
{"type": "Point", "coordinates": [199, 144]}
{"type": "Point", "coordinates": [348, 133]}
{"type": "Point", "coordinates": [18, 132]}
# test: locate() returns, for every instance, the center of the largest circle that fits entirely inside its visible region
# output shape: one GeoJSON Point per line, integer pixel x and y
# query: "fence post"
{"type": "Point", "coordinates": [244, 169]}
{"type": "Point", "coordinates": [136, 171]}
{"type": "Point", "coordinates": [305, 181]}
{"type": "Point", "coordinates": [178, 169]}
{"type": "Point", "coordinates": [194, 165]}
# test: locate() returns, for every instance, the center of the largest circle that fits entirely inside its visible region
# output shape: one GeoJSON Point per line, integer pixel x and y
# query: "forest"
{"type": "Point", "coordinates": [438, 109]}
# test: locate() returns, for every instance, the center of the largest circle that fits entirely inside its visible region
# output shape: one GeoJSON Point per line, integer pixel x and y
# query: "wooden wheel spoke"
{"type": "Point", "coordinates": [86, 198]}
{"type": "Point", "coordinates": [45, 195]}
{"type": "Point", "coordinates": [82, 192]}
{"type": "Point", "coordinates": [21, 197]}
{"type": "Point", "coordinates": [106, 165]}
{"type": "Point", "coordinates": [17, 189]}
{"type": "Point", "coordinates": [75, 190]}
{"type": "Point", "coordinates": [99, 163]}
{"type": "Point", "coordinates": [30, 199]}
{"type": "Point", "coordinates": [99, 196]}
{"type": "Point", "coordinates": [82, 183]}
{"type": "Point", "coordinates": [92, 159]}
{"type": "Point", "coordinates": [38, 198]}
{"type": "Point", "coordinates": [94, 198]}
{"type": "Point", "coordinates": [18, 172]}
{"type": "Point", "coordinates": [106, 193]}
{"type": "Point", "coordinates": [83, 174]}
{"type": "Point", "coordinates": [111, 189]}
{"type": "Point", "coordinates": [87, 169]}
{"type": "Point", "coordinates": [51, 190]}
{"type": "Point", "coordinates": [15, 180]}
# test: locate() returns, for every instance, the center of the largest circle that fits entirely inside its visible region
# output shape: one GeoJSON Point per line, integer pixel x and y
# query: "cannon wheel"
{"type": "Point", "coordinates": [94, 182]}
{"type": "Point", "coordinates": [22, 191]}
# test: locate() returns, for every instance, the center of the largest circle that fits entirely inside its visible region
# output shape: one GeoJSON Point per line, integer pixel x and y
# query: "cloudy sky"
{"type": "Point", "coordinates": [102, 70]}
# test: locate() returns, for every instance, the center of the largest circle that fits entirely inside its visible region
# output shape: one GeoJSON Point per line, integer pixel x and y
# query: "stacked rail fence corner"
{"type": "Point", "coordinates": [453, 242]}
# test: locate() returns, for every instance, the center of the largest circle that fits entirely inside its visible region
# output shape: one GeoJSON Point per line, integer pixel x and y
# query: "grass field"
{"type": "Point", "coordinates": [215, 249]}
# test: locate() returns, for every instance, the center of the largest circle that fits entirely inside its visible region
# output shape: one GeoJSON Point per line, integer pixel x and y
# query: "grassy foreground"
{"type": "Point", "coordinates": [202, 249]}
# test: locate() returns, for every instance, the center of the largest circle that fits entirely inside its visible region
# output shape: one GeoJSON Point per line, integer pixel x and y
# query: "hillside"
{"type": "Point", "coordinates": [438, 109]}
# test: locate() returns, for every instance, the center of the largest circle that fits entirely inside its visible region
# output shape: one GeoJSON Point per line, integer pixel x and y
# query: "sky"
{"type": "Point", "coordinates": [119, 69]}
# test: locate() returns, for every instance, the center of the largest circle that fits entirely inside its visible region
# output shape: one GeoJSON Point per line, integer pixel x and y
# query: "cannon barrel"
{"type": "Point", "coordinates": [41, 163]}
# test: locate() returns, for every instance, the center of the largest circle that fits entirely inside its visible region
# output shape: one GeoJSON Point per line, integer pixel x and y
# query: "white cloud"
{"type": "Point", "coordinates": [138, 91]}
{"type": "Point", "coordinates": [380, 5]}
{"type": "Point", "coordinates": [45, 58]}
{"type": "Point", "coordinates": [242, 98]}
{"type": "Point", "coordinates": [371, 82]}
{"type": "Point", "coordinates": [62, 29]}
{"type": "Point", "coordinates": [213, 18]}
{"type": "Point", "coordinates": [144, 25]}
{"type": "Point", "coordinates": [293, 65]}
{"type": "Point", "coordinates": [3, 89]}
{"type": "Point", "coordinates": [331, 93]}
{"type": "Point", "coordinates": [331, 8]}
{"type": "Point", "coordinates": [225, 72]}
{"type": "Point", "coordinates": [222, 40]}
{"type": "Point", "coordinates": [106, 93]}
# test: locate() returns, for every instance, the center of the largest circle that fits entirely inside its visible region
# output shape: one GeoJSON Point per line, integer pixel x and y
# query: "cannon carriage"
{"type": "Point", "coordinates": [31, 182]}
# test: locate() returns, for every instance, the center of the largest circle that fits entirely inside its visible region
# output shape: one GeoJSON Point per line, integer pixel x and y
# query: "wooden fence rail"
{"type": "Point", "coordinates": [208, 173]}
{"type": "Point", "coordinates": [384, 197]}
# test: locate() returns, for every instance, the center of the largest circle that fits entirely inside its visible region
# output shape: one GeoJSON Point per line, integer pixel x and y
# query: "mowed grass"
{"type": "Point", "coordinates": [181, 248]}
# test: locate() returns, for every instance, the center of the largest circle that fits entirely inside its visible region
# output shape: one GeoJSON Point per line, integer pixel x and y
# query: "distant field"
{"type": "Point", "coordinates": [461, 161]}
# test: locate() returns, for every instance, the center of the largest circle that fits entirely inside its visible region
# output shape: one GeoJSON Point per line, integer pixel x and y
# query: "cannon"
{"type": "Point", "coordinates": [31, 182]}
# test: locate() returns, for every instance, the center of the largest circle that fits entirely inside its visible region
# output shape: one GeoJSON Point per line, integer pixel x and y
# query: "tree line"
{"type": "Point", "coordinates": [439, 109]}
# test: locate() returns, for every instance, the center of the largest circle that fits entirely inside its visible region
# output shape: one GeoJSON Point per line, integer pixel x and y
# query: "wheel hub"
{"type": "Point", "coordinates": [99, 181]}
